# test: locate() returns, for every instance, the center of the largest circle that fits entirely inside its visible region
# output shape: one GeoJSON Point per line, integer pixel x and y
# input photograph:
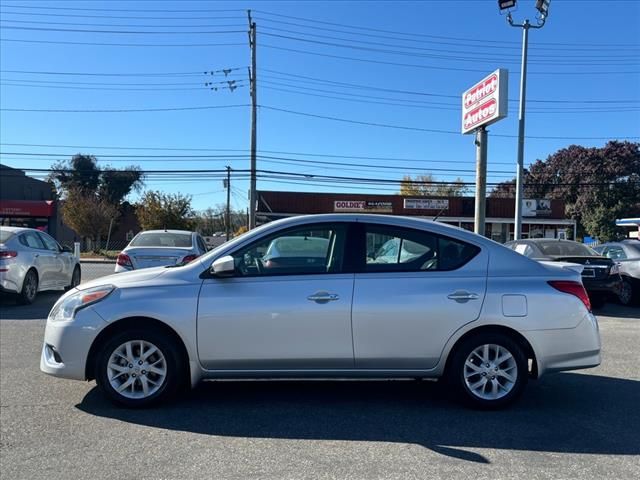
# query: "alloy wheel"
{"type": "Point", "coordinates": [137, 369]}
{"type": "Point", "coordinates": [490, 372]}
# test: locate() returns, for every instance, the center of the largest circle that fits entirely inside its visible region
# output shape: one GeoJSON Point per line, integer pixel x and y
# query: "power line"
{"type": "Point", "coordinates": [181, 45]}
{"type": "Point", "coordinates": [413, 65]}
{"type": "Point", "coordinates": [121, 9]}
{"type": "Point", "coordinates": [127, 17]}
{"type": "Point", "coordinates": [422, 35]}
{"type": "Point", "coordinates": [127, 89]}
{"type": "Point", "coordinates": [128, 32]}
{"type": "Point", "coordinates": [428, 130]}
{"type": "Point", "coordinates": [129, 25]}
{"type": "Point", "coordinates": [122, 110]}
{"type": "Point", "coordinates": [441, 53]}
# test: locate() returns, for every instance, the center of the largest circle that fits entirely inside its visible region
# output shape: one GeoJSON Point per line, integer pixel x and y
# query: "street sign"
{"type": "Point", "coordinates": [485, 102]}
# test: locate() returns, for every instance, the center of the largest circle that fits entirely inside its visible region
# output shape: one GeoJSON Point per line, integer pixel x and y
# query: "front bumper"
{"type": "Point", "coordinates": [66, 344]}
{"type": "Point", "coordinates": [567, 348]}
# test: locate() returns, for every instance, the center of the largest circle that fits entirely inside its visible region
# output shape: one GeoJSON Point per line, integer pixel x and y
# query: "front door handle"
{"type": "Point", "coordinates": [323, 297]}
{"type": "Point", "coordinates": [461, 296]}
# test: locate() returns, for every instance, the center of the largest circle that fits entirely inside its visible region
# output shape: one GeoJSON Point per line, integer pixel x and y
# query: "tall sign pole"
{"type": "Point", "coordinates": [543, 12]}
{"type": "Point", "coordinates": [228, 211]}
{"type": "Point", "coordinates": [481, 181]}
{"type": "Point", "coordinates": [482, 105]}
{"type": "Point", "coordinates": [254, 105]}
{"type": "Point", "coordinates": [517, 233]}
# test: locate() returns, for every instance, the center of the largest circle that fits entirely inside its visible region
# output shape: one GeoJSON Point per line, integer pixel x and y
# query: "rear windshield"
{"type": "Point", "coordinates": [5, 235]}
{"type": "Point", "coordinates": [566, 249]}
{"type": "Point", "coordinates": [162, 239]}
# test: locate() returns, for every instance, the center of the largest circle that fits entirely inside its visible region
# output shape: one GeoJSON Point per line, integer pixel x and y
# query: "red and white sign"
{"type": "Point", "coordinates": [486, 101]}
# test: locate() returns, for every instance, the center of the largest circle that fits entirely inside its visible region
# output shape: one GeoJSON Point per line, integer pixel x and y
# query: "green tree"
{"type": "Point", "coordinates": [428, 185]}
{"type": "Point", "coordinates": [82, 172]}
{"type": "Point", "coordinates": [157, 210]}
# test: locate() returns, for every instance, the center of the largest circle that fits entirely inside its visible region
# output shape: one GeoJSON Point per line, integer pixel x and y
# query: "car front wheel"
{"type": "Point", "coordinates": [138, 368]}
{"type": "Point", "coordinates": [488, 371]}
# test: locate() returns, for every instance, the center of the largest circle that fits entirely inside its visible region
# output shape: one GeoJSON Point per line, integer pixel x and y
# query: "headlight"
{"type": "Point", "coordinates": [65, 310]}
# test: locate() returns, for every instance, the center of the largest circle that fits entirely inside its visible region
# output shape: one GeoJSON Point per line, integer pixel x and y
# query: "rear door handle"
{"type": "Point", "coordinates": [323, 297]}
{"type": "Point", "coordinates": [461, 296]}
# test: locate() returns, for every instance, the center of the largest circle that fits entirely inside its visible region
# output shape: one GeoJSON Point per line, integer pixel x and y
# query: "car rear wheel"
{"type": "Point", "coordinates": [29, 288]}
{"type": "Point", "coordinates": [488, 371]}
{"type": "Point", "coordinates": [625, 294]}
{"type": "Point", "coordinates": [138, 368]}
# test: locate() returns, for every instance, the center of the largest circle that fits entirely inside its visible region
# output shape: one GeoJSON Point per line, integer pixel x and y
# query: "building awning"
{"type": "Point", "coordinates": [628, 222]}
{"type": "Point", "coordinates": [27, 208]}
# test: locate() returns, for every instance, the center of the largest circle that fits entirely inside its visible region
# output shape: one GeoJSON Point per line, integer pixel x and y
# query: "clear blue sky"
{"type": "Point", "coordinates": [588, 51]}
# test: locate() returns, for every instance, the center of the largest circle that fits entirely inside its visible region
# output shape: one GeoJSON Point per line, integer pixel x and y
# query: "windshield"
{"type": "Point", "coordinates": [5, 235]}
{"type": "Point", "coordinates": [162, 239]}
{"type": "Point", "coordinates": [566, 249]}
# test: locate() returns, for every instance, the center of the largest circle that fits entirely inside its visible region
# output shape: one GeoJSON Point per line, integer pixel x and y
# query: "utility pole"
{"type": "Point", "coordinates": [481, 181]}
{"type": "Point", "coordinates": [543, 8]}
{"type": "Point", "coordinates": [254, 106]}
{"type": "Point", "coordinates": [228, 212]}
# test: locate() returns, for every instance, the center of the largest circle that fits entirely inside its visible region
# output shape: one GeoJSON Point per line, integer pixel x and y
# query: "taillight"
{"type": "Point", "coordinates": [188, 258]}
{"type": "Point", "coordinates": [8, 254]}
{"type": "Point", "coordinates": [572, 288]}
{"type": "Point", "coordinates": [124, 260]}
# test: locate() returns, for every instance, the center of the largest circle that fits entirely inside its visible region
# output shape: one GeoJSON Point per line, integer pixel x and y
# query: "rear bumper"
{"type": "Point", "coordinates": [568, 348]}
{"type": "Point", "coordinates": [9, 283]}
{"type": "Point", "coordinates": [608, 285]}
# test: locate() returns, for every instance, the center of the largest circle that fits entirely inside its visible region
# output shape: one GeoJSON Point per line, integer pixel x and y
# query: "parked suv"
{"type": "Point", "coordinates": [626, 255]}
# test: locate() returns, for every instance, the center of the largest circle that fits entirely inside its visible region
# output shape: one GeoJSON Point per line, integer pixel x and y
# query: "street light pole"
{"type": "Point", "coordinates": [526, 25]}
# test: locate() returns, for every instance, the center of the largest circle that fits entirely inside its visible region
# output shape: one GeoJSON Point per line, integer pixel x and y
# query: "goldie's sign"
{"type": "Point", "coordinates": [485, 102]}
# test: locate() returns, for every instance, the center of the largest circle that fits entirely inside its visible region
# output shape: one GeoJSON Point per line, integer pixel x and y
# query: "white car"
{"type": "Point", "coordinates": [32, 261]}
{"type": "Point", "coordinates": [156, 248]}
{"type": "Point", "coordinates": [468, 310]}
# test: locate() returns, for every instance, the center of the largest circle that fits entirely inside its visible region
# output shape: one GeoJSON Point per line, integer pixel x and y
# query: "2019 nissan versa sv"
{"type": "Point", "coordinates": [462, 307]}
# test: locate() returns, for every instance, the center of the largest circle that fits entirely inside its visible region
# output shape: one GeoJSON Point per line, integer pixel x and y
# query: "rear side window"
{"type": "Point", "coordinates": [392, 249]}
{"type": "Point", "coordinates": [5, 235]}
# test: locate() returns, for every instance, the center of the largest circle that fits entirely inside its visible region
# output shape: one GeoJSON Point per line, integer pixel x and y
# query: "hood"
{"type": "Point", "coordinates": [135, 277]}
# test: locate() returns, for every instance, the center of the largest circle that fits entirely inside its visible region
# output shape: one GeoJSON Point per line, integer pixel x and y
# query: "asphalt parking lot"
{"type": "Point", "coordinates": [571, 425]}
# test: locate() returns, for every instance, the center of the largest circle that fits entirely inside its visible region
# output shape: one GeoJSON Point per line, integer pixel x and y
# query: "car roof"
{"type": "Point", "coordinates": [19, 229]}
{"type": "Point", "coordinates": [166, 231]}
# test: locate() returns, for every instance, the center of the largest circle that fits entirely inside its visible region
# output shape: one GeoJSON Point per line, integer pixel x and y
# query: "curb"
{"type": "Point", "coordinates": [97, 261]}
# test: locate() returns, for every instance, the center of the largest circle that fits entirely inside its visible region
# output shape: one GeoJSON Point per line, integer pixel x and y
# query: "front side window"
{"type": "Point", "coordinates": [49, 242]}
{"type": "Point", "coordinates": [300, 251]}
{"type": "Point", "coordinates": [391, 249]}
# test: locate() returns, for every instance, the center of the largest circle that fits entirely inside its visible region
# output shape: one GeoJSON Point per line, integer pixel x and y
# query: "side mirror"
{"type": "Point", "coordinates": [224, 266]}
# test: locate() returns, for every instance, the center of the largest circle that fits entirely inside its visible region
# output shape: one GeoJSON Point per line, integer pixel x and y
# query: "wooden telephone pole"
{"type": "Point", "coordinates": [254, 105]}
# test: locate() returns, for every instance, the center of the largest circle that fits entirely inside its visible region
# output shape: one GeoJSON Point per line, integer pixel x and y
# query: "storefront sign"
{"type": "Point", "coordinates": [426, 204]}
{"type": "Point", "coordinates": [26, 208]}
{"type": "Point", "coordinates": [485, 102]}
{"type": "Point", "coordinates": [536, 208]}
{"type": "Point", "coordinates": [369, 206]}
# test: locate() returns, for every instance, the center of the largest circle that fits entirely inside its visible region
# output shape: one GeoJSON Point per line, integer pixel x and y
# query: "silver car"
{"type": "Point", "coordinates": [468, 310]}
{"type": "Point", "coordinates": [32, 261]}
{"type": "Point", "coordinates": [156, 248]}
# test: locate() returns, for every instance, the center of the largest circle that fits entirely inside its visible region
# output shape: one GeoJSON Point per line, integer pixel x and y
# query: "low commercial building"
{"type": "Point", "coordinates": [542, 218]}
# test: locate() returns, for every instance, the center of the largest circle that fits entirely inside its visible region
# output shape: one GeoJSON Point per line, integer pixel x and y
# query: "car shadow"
{"type": "Point", "coordinates": [562, 413]}
{"type": "Point", "coordinates": [619, 311]}
{"type": "Point", "coordinates": [38, 310]}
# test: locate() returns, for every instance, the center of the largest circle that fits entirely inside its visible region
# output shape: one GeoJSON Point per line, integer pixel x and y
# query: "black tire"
{"type": "Point", "coordinates": [76, 278]}
{"type": "Point", "coordinates": [626, 296]}
{"type": "Point", "coordinates": [175, 368]}
{"type": "Point", "coordinates": [456, 371]}
{"type": "Point", "coordinates": [29, 288]}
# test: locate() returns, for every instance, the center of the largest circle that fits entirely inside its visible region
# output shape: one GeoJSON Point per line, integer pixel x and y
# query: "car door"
{"type": "Point", "coordinates": [57, 266]}
{"type": "Point", "coordinates": [289, 312]}
{"type": "Point", "coordinates": [41, 258]}
{"type": "Point", "coordinates": [405, 310]}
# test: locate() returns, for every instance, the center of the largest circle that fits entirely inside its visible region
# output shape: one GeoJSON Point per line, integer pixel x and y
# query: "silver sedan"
{"type": "Point", "coordinates": [463, 308]}
{"type": "Point", "coordinates": [32, 261]}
